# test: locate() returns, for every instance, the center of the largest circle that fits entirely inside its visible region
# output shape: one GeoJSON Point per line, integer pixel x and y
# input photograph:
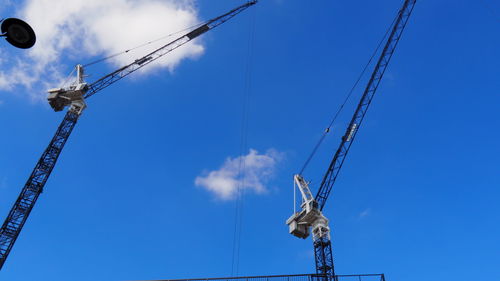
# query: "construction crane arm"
{"type": "Point", "coordinates": [311, 215]}
{"type": "Point", "coordinates": [366, 99]}
{"type": "Point", "coordinates": [74, 97]}
{"type": "Point", "coordinates": [160, 52]}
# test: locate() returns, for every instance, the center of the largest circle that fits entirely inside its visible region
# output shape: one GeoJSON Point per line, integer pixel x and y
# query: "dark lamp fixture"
{"type": "Point", "coordinates": [18, 33]}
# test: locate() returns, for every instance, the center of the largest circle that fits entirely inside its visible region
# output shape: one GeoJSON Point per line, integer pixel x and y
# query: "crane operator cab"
{"type": "Point", "coordinates": [72, 96]}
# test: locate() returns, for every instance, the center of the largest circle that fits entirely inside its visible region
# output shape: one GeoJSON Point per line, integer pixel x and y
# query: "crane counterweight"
{"type": "Point", "coordinates": [310, 217]}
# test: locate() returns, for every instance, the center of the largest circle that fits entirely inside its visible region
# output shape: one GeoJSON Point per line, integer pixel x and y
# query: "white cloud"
{"type": "Point", "coordinates": [83, 30]}
{"type": "Point", "coordinates": [248, 172]}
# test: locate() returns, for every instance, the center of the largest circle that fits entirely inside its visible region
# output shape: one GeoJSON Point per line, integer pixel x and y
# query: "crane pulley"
{"type": "Point", "coordinates": [74, 97]}
{"type": "Point", "coordinates": [311, 216]}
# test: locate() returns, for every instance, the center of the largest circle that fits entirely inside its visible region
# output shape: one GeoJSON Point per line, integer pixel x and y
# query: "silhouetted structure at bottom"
{"type": "Point", "coordinates": [299, 277]}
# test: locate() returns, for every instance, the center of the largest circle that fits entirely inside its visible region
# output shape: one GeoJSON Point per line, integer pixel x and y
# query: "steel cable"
{"type": "Point", "coordinates": [328, 129]}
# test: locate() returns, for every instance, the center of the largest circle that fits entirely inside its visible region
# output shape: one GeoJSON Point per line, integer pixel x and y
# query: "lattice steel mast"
{"type": "Point", "coordinates": [311, 217]}
{"type": "Point", "coordinates": [74, 97]}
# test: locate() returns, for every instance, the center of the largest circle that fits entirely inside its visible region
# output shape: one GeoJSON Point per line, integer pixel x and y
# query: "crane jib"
{"type": "Point", "coordinates": [322, 246]}
{"type": "Point", "coordinates": [364, 103]}
{"type": "Point", "coordinates": [124, 71]}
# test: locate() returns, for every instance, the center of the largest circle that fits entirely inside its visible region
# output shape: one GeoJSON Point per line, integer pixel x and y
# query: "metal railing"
{"type": "Point", "coordinates": [297, 277]}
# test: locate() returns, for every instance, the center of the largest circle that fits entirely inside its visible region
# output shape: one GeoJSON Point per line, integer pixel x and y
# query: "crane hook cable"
{"type": "Point", "coordinates": [327, 130]}
{"type": "Point", "coordinates": [238, 221]}
{"type": "Point", "coordinates": [142, 45]}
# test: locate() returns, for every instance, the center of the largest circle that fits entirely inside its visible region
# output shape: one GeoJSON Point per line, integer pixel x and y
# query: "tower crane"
{"type": "Point", "coordinates": [74, 98]}
{"type": "Point", "coordinates": [310, 218]}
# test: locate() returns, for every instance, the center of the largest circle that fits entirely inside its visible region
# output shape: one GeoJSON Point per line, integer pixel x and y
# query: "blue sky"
{"type": "Point", "coordinates": [417, 196]}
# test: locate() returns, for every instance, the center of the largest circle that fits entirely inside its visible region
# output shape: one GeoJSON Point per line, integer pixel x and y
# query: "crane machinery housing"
{"type": "Point", "coordinates": [310, 218]}
{"type": "Point", "coordinates": [74, 97]}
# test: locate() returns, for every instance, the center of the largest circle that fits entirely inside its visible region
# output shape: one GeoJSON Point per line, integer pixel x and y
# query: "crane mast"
{"type": "Point", "coordinates": [34, 186]}
{"type": "Point", "coordinates": [74, 98]}
{"type": "Point", "coordinates": [300, 222]}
